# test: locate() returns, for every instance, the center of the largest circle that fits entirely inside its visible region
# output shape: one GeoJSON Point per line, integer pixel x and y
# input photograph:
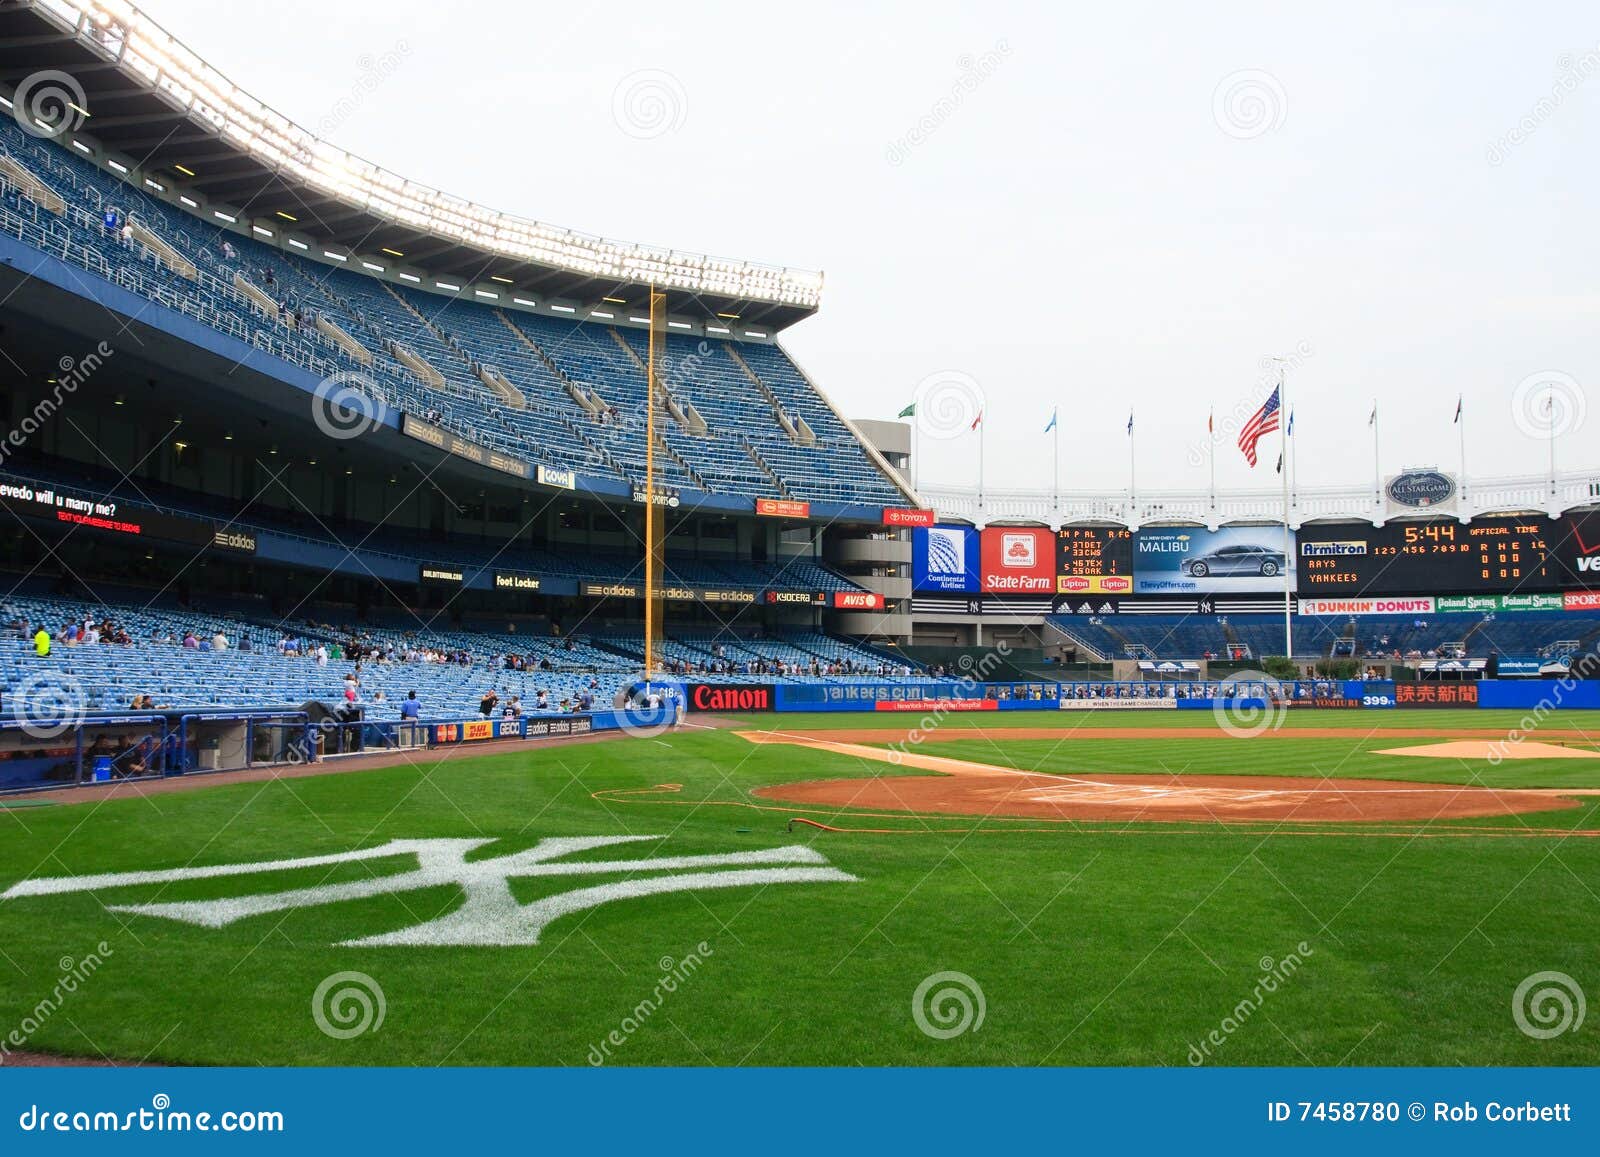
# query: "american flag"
{"type": "Point", "coordinates": [1264, 422]}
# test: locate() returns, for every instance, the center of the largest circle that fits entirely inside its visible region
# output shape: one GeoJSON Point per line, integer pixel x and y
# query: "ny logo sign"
{"type": "Point", "coordinates": [491, 915]}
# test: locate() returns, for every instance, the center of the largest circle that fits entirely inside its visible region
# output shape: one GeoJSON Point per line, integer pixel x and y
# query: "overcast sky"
{"type": "Point", "coordinates": [1096, 206]}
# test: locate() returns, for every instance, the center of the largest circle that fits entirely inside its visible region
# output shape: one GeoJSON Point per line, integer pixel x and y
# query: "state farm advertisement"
{"type": "Point", "coordinates": [1018, 560]}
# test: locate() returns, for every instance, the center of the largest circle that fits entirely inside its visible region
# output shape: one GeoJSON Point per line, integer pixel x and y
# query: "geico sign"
{"type": "Point", "coordinates": [707, 697]}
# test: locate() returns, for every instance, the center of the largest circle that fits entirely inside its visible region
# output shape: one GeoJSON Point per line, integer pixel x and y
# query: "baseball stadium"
{"type": "Point", "coordinates": [373, 559]}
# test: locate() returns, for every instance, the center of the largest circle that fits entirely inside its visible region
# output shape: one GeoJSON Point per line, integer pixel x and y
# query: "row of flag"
{"type": "Point", "coordinates": [1263, 422]}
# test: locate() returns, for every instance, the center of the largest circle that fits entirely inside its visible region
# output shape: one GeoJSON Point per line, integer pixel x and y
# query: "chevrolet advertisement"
{"type": "Point", "coordinates": [1191, 559]}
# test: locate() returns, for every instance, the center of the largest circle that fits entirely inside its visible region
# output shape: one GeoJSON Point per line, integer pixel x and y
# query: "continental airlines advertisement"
{"type": "Point", "coordinates": [1193, 560]}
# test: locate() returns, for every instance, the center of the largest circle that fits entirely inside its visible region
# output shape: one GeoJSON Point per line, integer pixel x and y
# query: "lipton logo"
{"type": "Point", "coordinates": [1072, 582]}
{"type": "Point", "coordinates": [1113, 584]}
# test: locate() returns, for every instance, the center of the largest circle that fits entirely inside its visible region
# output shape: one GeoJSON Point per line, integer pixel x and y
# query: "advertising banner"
{"type": "Point", "coordinates": [1162, 704]}
{"type": "Point", "coordinates": [905, 516]}
{"type": "Point", "coordinates": [1487, 556]}
{"type": "Point", "coordinates": [1094, 560]}
{"type": "Point", "coordinates": [1422, 605]}
{"type": "Point", "coordinates": [1581, 601]}
{"type": "Point", "coordinates": [504, 581]}
{"type": "Point", "coordinates": [1018, 560]}
{"type": "Point", "coordinates": [1491, 603]}
{"type": "Point", "coordinates": [439, 574]}
{"type": "Point", "coordinates": [472, 731]}
{"type": "Point", "coordinates": [945, 558]}
{"type": "Point", "coordinates": [857, 601]}
{"type": "Point", "coordinates": [782, 508]}
{"type": "Point", "coordinates": [543, 727]}
{"type": "Point", "coordinates": [731, 697]}
{"type": "Point", "coordinates": [935, 705]}
{"type": "Point", "coordinates": [1576, 551]}
{"type": "Point", "coordinates": [1236, 559]}
{"type": "Point", "coordinates": [1436, 694]}
{"type": "Point", "coordinates": [79, 510]}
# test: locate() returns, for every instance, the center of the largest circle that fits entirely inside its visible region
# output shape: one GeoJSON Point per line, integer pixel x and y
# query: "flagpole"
{"type": "Point", "coordinates": [1211, 454]}
{"type": "Point", "coordinates": [1055, 470]}
{"type": "Point", "coordinates": [1133, 467]}
{"type": "Point", "coordinates": [1288, 540]}
{"type": "Point", "coordinates": [1461, 446]}
{"type": "Point", "coordinates": [1550, 409]}
{"type": "Point", "coordinates": [982, 429]}
{"type": "Point", "coordinates": [1377, 469]}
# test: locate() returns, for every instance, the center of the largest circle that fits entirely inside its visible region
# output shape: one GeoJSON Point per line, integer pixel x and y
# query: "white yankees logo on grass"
{"type": "Point", "coordinates": [491, 915]}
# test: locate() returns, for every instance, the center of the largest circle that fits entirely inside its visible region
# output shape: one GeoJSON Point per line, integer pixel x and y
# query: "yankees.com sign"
{"type": "Point", "coordinates": [730, 697]}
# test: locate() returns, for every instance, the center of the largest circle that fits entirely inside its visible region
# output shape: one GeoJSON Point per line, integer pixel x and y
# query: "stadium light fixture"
{"type": "Point", "coordinates": [286, 216]}
{"type": "Point", "coordinates": [149, 54]}
{"type": "Point", "coordinates": [184, 169]}
{"type": "Point", "coordinates": [298, 244]}
{"type": "Point", "coordinates": [372, 265]}
{"type": "Point", "coordinates": [411, 277]}
{"type": "Point", "coordinates": [118, 166]}
{"type": "Point", "coordinates": [262, 230]}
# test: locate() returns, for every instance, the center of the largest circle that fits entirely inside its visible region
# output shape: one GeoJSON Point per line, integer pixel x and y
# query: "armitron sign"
{"type": "Point", "coordinates": [723, 697]}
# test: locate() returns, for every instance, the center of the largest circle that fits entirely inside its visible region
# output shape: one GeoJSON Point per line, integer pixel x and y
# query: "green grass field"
{"type": "Point", "coordinates": [1091, 944]}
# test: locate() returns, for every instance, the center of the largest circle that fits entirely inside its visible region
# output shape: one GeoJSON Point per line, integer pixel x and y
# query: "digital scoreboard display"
{"type": "Point", "coordinates": [1491, 555]}
{"type": "Point", "coordinates": [1094, 560]}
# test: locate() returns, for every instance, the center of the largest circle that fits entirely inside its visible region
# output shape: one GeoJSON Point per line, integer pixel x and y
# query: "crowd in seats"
{"type": "Point", "coordinates": [1394, 638]}
{"type": "Point", "coordinates": [99, 658]}
{"type": "Point", "coordinates": [743, 451]}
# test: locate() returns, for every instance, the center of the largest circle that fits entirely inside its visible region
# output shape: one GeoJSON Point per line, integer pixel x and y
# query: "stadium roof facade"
{"type": "Point", "coordinates": [107, 71]}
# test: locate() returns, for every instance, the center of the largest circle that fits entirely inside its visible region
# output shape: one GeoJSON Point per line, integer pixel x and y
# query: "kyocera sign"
{"type": "Point", "coordinates": [715, 697]}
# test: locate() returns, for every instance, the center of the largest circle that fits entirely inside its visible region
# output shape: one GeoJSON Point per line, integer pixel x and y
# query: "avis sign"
{"type": "Point", "coordinates": [490, 915]}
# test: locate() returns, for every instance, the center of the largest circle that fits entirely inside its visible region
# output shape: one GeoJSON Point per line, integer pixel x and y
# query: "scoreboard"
{"type": "Point", "coordinates": [1094, 560]}
{"type": "Point", "coordinates": [1492, 555]}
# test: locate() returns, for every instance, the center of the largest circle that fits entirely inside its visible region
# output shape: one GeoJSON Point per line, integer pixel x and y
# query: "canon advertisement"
{"type": "Point", "coordinates": [945, 558]}
{"type": "Point", "coordinates": [1018, 560]}
{"type": "Point", "coordinates": [1185, 560]}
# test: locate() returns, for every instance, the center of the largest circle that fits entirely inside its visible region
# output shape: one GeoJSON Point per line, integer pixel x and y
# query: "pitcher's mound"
{"type": "Point", "coordinates": [1497, 750]}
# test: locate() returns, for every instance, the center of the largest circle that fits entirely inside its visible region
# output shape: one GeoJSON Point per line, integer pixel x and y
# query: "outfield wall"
{"type": "Point", "coordinates": [1136, 696]}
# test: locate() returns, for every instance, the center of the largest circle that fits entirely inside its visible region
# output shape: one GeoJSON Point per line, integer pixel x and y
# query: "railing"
{"type": "Point", "coordinates": [1478, 496]}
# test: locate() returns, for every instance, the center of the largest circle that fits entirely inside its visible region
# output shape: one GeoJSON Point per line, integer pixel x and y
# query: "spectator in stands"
{"type": "Point", "coordinates": [410, 708]}
{"type": "Point", "coordinates": [219, 641]}
{"type": "Point", "coordinates": [513, 709]}
{"type": "Point", "coordinates": [41, 643]}
{"type": "Point", "coordinates": [126, 236]}
{"type": "Point", "coordinates": [229, 252]}
{"type": "Point", "coordinates": [541, 700]}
